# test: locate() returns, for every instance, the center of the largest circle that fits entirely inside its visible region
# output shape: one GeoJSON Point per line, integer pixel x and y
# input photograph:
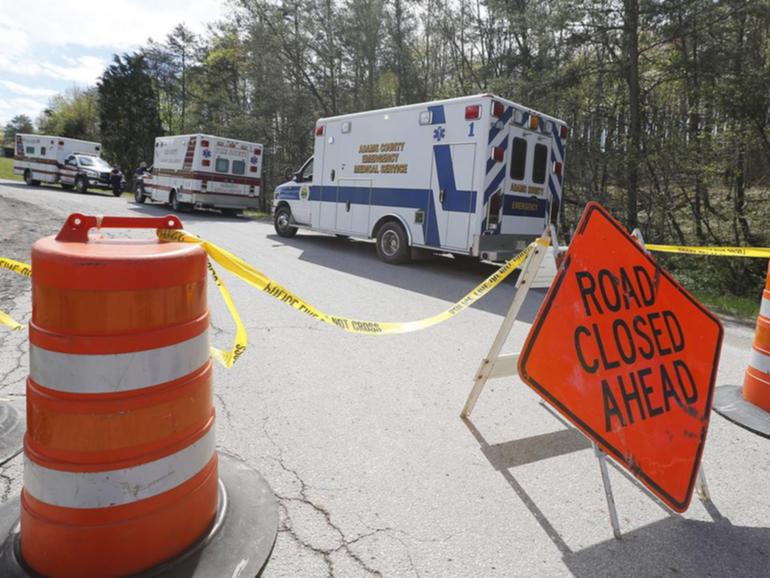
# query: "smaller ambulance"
{"type": "Point", "coordinates": [477, 175]}
{"type": "Point", "coordinates": [57, 159]}
{"type": "Point", "coordinates": [204, 171]}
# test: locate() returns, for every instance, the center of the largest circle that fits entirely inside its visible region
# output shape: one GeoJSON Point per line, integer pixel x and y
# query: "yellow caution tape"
{"type": "Point", "coordinates": [226, 358]}
{"type": "Point", "coordinates": [22, 269]}
{"type": "Point", "coordinates": [9, 321]}
{"type": "Point", "coordinates": [252, 276]}
{"type": "Point", "coordinates": [761, 252]}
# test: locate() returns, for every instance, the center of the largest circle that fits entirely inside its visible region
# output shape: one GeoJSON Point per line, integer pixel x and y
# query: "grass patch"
{"type": "Point", "coordinates": [257, 214]}
{"type": "Point", "coordinates": [6, 170]}
{"type": "Point", "coordinates": [733, 305]}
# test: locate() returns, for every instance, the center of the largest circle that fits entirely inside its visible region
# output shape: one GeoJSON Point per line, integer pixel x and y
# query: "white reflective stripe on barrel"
{"type": "Point", "coordinates": [764, 309]}
{"type": "Point", "coordinates": [117, 487]}
{"type": "Point", "coordinates": [109, 373]}
{"type": "Point", "coordinates": [760, 361]}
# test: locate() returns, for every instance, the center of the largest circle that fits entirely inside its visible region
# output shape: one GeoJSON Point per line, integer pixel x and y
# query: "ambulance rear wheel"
{"type": "Point", "coordinates": [176, 204]}
{"type": "Point", "coordinates": [28, 178]}
{"type": "Point", "coordinates": [393, 244]}
{"type": "Point", "coordinates": [282, 222]}
{"type": "Point", "coordinates": [139, 194]}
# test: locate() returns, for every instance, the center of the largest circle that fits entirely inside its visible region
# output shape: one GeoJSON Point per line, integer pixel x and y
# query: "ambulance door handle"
{"type": "Point", "coordinates": [332, 175]}
{"type": "Point", "coordinates": [347, 206]}
{"type": "Point", "coordinates": [441, 195]}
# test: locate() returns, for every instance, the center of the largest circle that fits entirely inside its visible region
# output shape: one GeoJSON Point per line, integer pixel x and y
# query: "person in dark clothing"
{"type": "Point", "coordinates": [116, 180]}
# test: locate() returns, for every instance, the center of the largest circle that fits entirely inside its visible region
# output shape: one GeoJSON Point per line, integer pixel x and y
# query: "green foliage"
{"type": "Point", "coordinates": [20, 123]}
{"type": "Point", "coordinates": [129, 118]}
{"type": "Point", "coordinates": [74, 114]}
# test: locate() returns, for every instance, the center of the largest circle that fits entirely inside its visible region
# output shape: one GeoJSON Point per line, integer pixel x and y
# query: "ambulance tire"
{"type": "Point", "coordinates": [176, 204]}
{"type": "Point", "coordinates": [139, 194]}
{"type": "Point", "coordinates": [282, 223]}
{"type": "Point", "coordinates": [393, 244]}
{"type": "Point", "coordinates": [29, 180]}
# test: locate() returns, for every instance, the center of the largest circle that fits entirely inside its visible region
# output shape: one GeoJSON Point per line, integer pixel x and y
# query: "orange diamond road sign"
{"type": "Point", "coordinates": [628, 356]}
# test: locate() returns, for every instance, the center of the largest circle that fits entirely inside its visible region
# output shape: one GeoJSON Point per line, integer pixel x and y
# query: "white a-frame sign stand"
{"type": "Point", "coordinates": [538, 272]}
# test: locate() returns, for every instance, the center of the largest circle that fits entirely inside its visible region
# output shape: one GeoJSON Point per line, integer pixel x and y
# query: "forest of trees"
{"type": "Point", "coordinates": [668, 100]}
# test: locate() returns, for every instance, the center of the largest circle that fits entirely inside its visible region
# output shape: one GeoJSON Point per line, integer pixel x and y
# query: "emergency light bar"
{"type": "Point", "coordinates": [319, 130]}
{"type": "Point", "coordinates": [473, 112]}
{"type": "Point", "coordinates": [498, 109]}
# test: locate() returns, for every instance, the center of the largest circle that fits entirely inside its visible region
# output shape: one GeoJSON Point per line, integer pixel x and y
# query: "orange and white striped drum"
{"type": "Point", "coordinates": [756, 384]}
{"type": "Point", "coordinates": [121, 470]}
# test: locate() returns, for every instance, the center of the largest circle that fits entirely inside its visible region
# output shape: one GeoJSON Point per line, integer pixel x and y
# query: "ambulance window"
{"type": "Point", "coordinates": [518, 158]}
{"type": "Point", "coordinates": [538, 165]}
{"type": "Point", "coordinates": [239, 167]}
{"type": "Point", "coordinates": [30, 150]}
{"type": "Point", "coordinates": [222, 165]}
{"type": "Point", "coordinates": [42, 151]}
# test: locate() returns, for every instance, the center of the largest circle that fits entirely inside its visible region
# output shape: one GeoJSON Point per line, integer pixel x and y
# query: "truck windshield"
{"type": "Point", "coordinates": [94, 162]}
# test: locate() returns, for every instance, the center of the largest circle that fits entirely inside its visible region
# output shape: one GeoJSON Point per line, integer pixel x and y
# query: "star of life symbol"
{"type": "Point", "coordinates": [254, 160]}
{"type": "Point", "coordinates": [439, 133]}
{"type": "Point", "coordinates": [206, 153]}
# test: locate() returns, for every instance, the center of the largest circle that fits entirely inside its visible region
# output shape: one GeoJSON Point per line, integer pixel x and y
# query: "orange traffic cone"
{"type": "Point", "coordinates": [750, 407]}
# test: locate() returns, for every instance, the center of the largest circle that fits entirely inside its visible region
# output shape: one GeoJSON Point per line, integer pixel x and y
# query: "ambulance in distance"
{"type": "Point", "coordinates": [478, 175]}
{"type": "Point", "coordinates": [204, 171]}
{"type": "Point", "coordinates": [57, 159]}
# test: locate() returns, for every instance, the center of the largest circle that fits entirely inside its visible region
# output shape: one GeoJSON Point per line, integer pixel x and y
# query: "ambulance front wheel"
{"type": "Point", "coordinates": [282, 222]}
{"type": "Point", "coordinates": [393, 244]}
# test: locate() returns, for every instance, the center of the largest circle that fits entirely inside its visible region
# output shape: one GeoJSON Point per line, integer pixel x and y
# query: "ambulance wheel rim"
{"type": "Point", "coordinates": [283, 219]}
{"type": "Point", "coordinates": [390, 243]}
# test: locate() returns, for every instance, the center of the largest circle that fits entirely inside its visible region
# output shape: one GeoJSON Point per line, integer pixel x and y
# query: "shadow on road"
{"type": "Point", "coordinates": [439, 276]}
{"type": "Point", "coordinates": [187, 216]}
{"type": "Point", "coordinates": [673, 546]}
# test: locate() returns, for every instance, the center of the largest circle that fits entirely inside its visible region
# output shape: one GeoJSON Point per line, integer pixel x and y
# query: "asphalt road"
{"type": "Point", "coordinates": [360, 436]}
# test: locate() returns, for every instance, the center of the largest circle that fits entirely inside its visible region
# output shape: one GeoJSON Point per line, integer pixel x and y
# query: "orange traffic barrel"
{"type": "Point", "coordinates": [749, 407]}
{"type": "Point", "coordinates": [120, 469]}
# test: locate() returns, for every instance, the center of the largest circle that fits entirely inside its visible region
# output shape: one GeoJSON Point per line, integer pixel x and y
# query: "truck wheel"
{"type": "Point", "coordinates": [29, 180]}
{"type": "Point", "coordinates": [81, 185]}
{"type": "Point", "coordinates": [176, 204]}
{"type": "Point", "coordinates": [393, 244]}
{"type": "Point", "coordinates": [139, 194]}
{"type": "Point", "coordinates": [282, 222]}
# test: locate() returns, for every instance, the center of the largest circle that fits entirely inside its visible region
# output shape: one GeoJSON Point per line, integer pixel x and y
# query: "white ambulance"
{"type": "Point", "coordinates": [478, 175]}
{"type": "Point", "coordinates": [204, 171]}
{"type": "Point", "coordinates": [57, 159]}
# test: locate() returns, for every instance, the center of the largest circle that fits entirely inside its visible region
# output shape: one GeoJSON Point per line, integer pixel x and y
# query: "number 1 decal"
{"type": "Point", "coordinates": [470, 129]}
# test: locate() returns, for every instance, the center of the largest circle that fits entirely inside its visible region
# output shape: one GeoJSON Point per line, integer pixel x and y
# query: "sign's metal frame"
{"type": "Point", "coordinates": [496, 365]}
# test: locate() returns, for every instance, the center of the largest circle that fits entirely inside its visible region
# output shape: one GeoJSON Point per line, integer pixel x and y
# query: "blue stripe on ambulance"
{"type": "Point", "coordinates": [557, 140]}
{"type": "Point", "coordinates": [492, 162]}
{"type": "Point", "coordinates": [494, 131]}
{"type": "Point", "coordinates": [437, 114]}
{"type": "Point", "coordinates": [454, 200]}
{"type": "Point", "coordinates": [287, 194]}
{"type": "Point", "coordinates": [494, 184]}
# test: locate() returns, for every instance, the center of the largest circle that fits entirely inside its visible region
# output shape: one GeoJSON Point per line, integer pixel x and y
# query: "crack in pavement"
{"type": "Point", "coordinates": [226, 410]}
{"type": "Point", "coordinates": [287, 526]}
